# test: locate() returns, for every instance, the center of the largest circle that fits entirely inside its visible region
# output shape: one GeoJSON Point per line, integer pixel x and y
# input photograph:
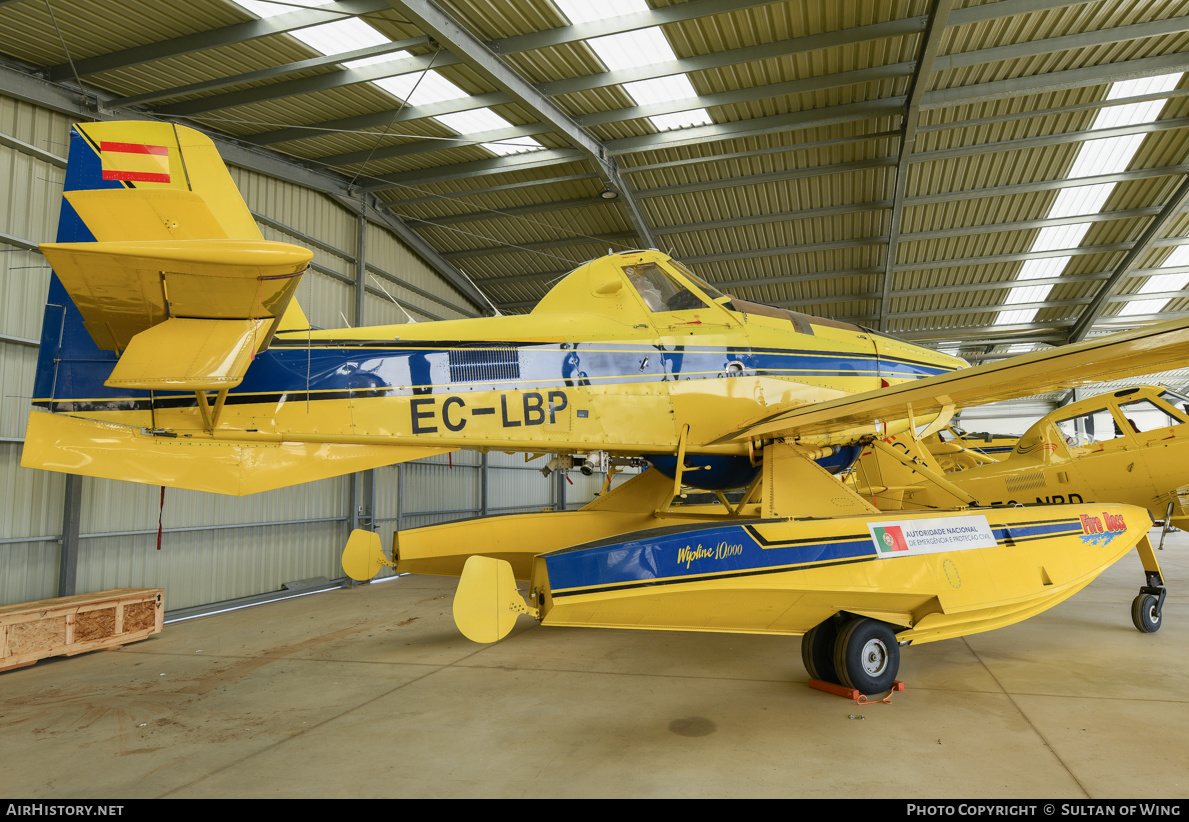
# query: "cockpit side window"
{"type": "Point", "coordinates": [659, 291]}
{"type": "Point", "coordinates": [1144, 416]}
{"type": "Point", "coordinates": [1178, 401]}
{"type": "Point", "coordinates": [1097, 426]}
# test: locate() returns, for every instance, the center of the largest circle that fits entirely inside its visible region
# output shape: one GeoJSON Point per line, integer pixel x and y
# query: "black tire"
{"type": "Point", "coordinates": [867, 656]}
{"type": "Point", "coordinates": [1143, 613]}
{"type": "Point", "coordinates": [817, 651]}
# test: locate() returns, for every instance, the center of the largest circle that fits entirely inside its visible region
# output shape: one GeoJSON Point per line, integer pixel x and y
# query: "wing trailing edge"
{"type": "Point", "coordinates": [74, 445]}
{"type": "Point", "coordinates": [1117, 356]}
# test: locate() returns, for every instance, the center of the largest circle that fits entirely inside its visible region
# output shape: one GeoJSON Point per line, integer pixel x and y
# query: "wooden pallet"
{"type": "Point", "coordinates": [30, 631]}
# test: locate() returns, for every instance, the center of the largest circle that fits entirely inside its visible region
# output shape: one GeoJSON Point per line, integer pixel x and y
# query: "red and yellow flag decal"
{"type": "Point", "coordinates": [890, 538]}
{"type": "Point", "coordinates": [135, 162]}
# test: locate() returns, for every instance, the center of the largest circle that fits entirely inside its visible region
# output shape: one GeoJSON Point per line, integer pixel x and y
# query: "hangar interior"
{"type": "Point", "coordinates": [984, 178]}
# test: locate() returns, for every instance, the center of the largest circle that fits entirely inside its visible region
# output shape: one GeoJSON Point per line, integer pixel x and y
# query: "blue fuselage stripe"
{"type": "Point", "coordinates": [288, 368]}
{"type": "Point", "coordinates": [729, 550]}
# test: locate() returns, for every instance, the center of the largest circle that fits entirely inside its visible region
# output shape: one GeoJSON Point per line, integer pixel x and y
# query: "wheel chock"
{"type": "Point", "coordinates": [851, 693]}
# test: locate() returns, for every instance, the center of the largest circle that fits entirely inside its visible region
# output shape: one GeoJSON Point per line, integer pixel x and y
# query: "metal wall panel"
{"type": "Point", "coordinates": [389, 254]}
{"type": "Point", "coordinates": [18, 365]}
{"type": "Point", "coordinates": [200, 567]}
{"type": "Point", "coordinates": [31, 142]}
{"type": "Point", "coordinates": [33, 499]}
{"type": "Point", "coordinates": [28, 571]}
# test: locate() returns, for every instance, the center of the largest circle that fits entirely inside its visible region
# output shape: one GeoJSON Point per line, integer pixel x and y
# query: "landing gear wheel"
{"type": "Point", "coordinates": [867, 656]}
{"type": "Point", "coordinates": [817, 651]}
{"type": "Point", "coordinates": [1144, 613]}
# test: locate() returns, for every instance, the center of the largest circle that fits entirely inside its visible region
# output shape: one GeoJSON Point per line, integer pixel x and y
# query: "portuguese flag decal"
{"type": "Point", "coordinates": [889, 538]}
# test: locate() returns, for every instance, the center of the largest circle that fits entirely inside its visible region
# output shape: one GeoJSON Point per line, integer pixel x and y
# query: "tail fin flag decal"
{"type": "Point", "coordinates": [135, 162]}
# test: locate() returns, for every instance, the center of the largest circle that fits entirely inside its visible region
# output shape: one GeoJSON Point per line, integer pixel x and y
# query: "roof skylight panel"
{"type": "Point", "coordinates": [341, 36]}
{"type": "Point", "coordinates": [1108, 155]}
{"type": "Point", "coordinates": [1160, 282]}
{"type": "Point", "coordinates": [264, 9]}
{"type": "Point", "coordinates": [419, 88]}
{"type": "Point", "coordinates": [632, 49]}
{"type": "Point", "coordinates": [664, 90]}
{"type": "Point", "coordinates": [586, 11]}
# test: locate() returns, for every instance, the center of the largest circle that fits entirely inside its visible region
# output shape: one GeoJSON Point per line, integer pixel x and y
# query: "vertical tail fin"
{"type": "Point", "coordinates": [127, 183]}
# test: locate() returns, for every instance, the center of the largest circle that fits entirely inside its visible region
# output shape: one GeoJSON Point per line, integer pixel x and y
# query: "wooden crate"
{"type": "Point", "coordinates": [67, 626]}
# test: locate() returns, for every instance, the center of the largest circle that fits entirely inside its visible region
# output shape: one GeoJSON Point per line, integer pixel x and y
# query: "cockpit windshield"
{"type": "Point", "coordinates": [707, 289]}
{"type": "Point", "coordinates": [660, 291]}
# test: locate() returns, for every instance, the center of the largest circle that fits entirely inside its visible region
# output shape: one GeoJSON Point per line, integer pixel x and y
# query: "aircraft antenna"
{"type": "Point", "coordinates": [389, 296]}
{"type": "Point", "coordinates": [498, 313]}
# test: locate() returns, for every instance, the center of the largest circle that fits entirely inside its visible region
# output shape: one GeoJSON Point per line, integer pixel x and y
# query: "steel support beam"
{"type": "Point", "coordinates": [1023, 143]}
{"type": "Point", "coordinates": [479, 192]}
{"type": "Point", "coordinates": [430, 146]}
{"type": "Point", "coordinates": [1142, 245]}
{"type": "Point", "coordinates": [514, 211]}
{"type": "Point", "coordinates": [930, 44]}
{"type": "Point", "coordinates": [269, 73]}
{"type": "Point", "coordinates": [71, 518]}
{"type": "Point", "coordinates": [362, 489]}
{"type": "Point", "coordinates": [509, 248]}
{"type": "Point", "coordinates": [225, 36]}
{"type": "Point", "coordinates": [1057, 81]}
{"type": "Point", "coordinates": [420, 247]}
{"type": "Point", "coordinates": [1048, 185]}
{"type": "Point", "coordinates": [479, 58]}
{"type": "Point", "coordinates": [493, 165]}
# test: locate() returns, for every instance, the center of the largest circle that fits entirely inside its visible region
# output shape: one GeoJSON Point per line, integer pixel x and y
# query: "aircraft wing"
{"type": "Point", "coordinates": [1117, 356]}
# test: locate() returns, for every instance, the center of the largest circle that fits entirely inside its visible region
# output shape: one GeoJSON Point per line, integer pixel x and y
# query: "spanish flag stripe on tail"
{"type": "Point", "coordinates": [135, 162]}
{"type": "Point", "coordinates": [134, 148]}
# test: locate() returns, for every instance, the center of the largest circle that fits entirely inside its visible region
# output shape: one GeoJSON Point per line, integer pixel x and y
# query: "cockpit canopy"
{"type": "Point", "coordinates": [1123, 413]}
{"type": "Point", "coordinates": [646, 283]}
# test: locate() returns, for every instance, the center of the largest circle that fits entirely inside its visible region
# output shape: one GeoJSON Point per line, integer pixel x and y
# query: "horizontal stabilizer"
{"type": "Point", "coordinates": [189, 355]}
{"type": "Point", "coordinates": [221, 465]}
{"type": "Point", "coordinates": [115, 215]}
{"type": "Point", "coordinates": [124, 288]}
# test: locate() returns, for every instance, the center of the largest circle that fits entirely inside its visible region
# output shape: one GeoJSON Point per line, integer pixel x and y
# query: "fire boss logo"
{"type": "Point", "coordinates": [1100, 531]}
{"type": "Point", "coordinates": [1108, 523]}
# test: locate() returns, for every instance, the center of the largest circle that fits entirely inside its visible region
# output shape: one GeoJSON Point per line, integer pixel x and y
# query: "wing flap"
{"type": "Point", "coordinates": [1117, 356]}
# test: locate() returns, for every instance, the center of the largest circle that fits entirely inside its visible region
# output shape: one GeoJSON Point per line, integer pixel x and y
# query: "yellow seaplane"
{"type": "Point", "coordinates": [174, 353]}
{"type": "Point", "coordinates": [1130, 446]}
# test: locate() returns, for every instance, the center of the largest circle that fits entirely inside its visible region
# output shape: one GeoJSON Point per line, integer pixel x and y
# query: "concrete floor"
{"type": "Point", "coordinates": [371, 692]}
